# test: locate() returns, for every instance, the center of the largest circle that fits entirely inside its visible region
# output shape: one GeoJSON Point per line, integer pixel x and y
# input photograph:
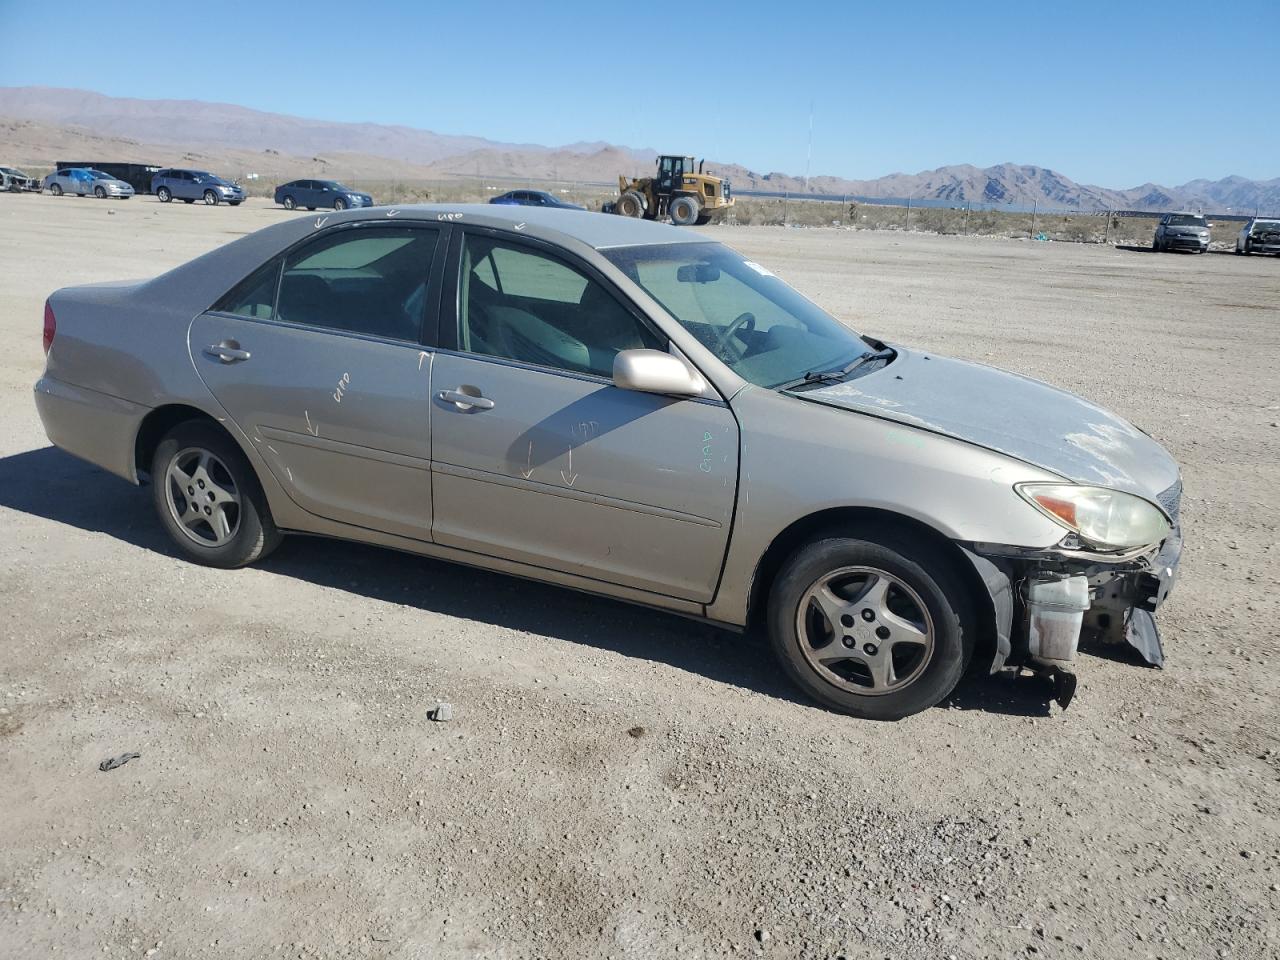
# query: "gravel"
{"type": "Point", "coordinates": [616, 782]}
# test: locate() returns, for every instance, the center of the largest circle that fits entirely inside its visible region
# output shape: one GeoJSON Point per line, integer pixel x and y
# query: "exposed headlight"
{"type": "Point", "coordinates": [1104, 518]}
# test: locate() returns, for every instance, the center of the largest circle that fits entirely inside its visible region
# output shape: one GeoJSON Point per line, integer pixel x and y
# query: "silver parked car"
{"type": "Point", "coordinates": [84, 182]}
{"type": "Point", "coordinates": [1259, 235]}
{"type": "Point", "coordinates": [1181, 231]}
{"type": "Point", "coordinates": [628, 409]}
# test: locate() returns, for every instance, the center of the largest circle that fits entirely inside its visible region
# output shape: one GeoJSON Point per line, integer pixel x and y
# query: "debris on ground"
{"type": "Point", "coordinates": [441, 712]}
{"type": "Point", "coordinates": [112, 762]}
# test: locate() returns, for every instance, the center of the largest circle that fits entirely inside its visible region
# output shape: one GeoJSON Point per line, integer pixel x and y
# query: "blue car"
{"type": "Point", "coordinates": [320, 193]}
{"type": "Point", "coordinates": [533, 198]}
{"type": "Point", "coordinates": [192, 185]}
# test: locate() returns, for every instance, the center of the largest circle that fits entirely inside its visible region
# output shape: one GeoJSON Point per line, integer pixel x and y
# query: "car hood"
{"type": "Point", "coordinates": [1010, 414]}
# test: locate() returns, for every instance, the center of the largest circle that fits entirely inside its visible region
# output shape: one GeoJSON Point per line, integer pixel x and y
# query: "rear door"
{"type": "Point", "coordinates": [538, 457]}
{"type": "Point", "coordinates": [318, 358]}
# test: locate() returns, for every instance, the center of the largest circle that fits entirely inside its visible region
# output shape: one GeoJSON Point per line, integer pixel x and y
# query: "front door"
{"type": "Point", "coordinates": [537, 457]}
{"type": "Point", "coordinates": [328, 376]}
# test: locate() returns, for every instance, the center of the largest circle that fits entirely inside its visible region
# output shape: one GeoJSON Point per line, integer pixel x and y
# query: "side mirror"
{"type": "Point", "coordinates": [652, 371]}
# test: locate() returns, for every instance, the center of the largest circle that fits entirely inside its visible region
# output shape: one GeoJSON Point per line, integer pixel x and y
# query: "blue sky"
{"type": "Point", "coordinates": [1107, 93]}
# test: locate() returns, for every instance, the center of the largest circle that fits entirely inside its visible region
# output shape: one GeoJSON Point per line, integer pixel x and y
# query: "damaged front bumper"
{"type": "Point", "coordinates": [1045, 601]}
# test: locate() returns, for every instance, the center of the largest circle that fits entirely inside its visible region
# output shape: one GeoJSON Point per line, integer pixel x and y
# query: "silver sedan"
{"type": "Point", "coordinates": [628, 409]}
{"type": "Point", "coordinates": [85, 182]}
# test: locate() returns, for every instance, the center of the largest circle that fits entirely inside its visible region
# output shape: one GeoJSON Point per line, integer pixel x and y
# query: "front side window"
{"type": "Point", "coordinates": [522, 304]}
{"type": "Point", "coordinates": [755, 323]}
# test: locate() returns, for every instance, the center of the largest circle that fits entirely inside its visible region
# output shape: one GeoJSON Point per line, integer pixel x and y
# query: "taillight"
{"type": "Point", "coordinates": [50, 326]}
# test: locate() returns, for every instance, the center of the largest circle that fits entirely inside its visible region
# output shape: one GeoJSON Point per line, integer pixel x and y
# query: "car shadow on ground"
{"type": "Point", "coordinates": [56, 486]}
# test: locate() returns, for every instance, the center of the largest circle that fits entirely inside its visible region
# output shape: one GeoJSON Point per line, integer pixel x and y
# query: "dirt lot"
{"type": "Point", "coordinates": [617, 782]}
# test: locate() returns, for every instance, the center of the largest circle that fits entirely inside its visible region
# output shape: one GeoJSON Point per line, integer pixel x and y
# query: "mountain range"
{"type": "Point", "coordinates": [38, 122]}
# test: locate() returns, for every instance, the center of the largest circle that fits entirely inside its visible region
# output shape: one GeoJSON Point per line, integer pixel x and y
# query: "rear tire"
{"type": "Point", "coordinates": [290, 203]}
{"type": "Point", "coordinates": [905, 632]}
{"type": "Point", "coordinates": [164, 195]}
{"type": "Point", "coordinates": [209, 499]}
{"type": "Point", "coordinates": [630, 204]}
{"type": "Point", "coordinates": [684, 211]}
{"type": "Point", "coordinates": [210, 198]}
{"type": "Point", "coordinates": [56, 190]}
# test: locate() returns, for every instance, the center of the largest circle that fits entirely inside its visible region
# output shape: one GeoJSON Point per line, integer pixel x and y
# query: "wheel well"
{"type": "Point", "coordinates": [159, 422]}
{"type": "Point", "coordinates": [867, 522]}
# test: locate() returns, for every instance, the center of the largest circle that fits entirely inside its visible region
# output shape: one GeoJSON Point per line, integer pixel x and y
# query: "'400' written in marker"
{"type": "Point", "coordinates": [705, 465]}
{"type": "Point", "coordinates": [343, 386]}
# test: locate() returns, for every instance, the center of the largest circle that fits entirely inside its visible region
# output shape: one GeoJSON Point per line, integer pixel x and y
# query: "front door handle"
{"type": "Point", "coordinates": [228, 351]}
{"type": "Point", "coordinates": [466, 401]}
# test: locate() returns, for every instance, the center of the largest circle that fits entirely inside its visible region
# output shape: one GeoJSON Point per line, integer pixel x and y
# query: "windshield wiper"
{"type": "Point", "coordinates": [885, 354]}
{"type": "Point", "coordinates": [816, 377]}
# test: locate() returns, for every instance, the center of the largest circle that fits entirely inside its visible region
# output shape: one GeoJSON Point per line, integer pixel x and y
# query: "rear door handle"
{"type": "Point", "coordinates": [228, 351]}
{"type": "Point", "coordinates": [465, 401]}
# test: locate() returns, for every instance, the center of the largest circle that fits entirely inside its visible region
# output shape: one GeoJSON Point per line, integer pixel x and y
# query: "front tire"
{"type": "Point", "coordinates": [630, 204]}
{"type": "Point", "coordinates": [210, 198]}
{"type": "Point", "coordinates": [164, 195]}
{"type": "Point", "coordinates": [100, 193]}
{"type": "Point", "coordinates": [876, 628]}
{"type": "Point", "coordinates": [208, 498]}
{"type": "Point", "coordinates": [56, 190]}
{"type": "Point", "coordinates": [339, 204]}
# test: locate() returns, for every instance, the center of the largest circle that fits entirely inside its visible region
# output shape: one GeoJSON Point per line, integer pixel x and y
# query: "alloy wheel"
{"type": "Point", "coordinates": [203, 497]}
{"type": "Point", "coordinates": [865, 631]}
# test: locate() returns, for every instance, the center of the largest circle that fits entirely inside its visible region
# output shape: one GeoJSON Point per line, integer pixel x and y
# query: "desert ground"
{"type": "Point", "coordinates": [617, 782]}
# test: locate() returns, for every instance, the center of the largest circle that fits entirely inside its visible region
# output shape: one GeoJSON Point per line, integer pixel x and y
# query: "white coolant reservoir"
{"type": "Point", "coordinates": [1055, 610]}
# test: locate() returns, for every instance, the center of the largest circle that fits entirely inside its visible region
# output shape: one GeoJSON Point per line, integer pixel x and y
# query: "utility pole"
{"type": "Point", "coordinates": [809, 156]}
{"type": "Point", "coordinates": [908, 225]}
{"type": "Point", "coordinates": [1035, 208]}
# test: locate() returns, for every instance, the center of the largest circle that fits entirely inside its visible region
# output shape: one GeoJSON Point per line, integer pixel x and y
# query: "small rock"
{"type": "Point", "coordinates": [762, 936]}
{"type": "Point", "coordinates": [636, 732]}
{"type": "Point", "coordinates": [442, 713]}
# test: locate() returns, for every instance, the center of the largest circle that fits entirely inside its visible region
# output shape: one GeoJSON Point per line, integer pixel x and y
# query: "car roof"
{"type": "Point", "coordinates": [598, 230]}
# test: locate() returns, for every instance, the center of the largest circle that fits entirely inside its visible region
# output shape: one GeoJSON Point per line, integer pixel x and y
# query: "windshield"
{"type": "Point", "coordinates": [99, 175]}
{"type": "Point", "coordinates": [1186, 220]}
{"type": "Point", "coordinates": [765, 331]}
{"type": "Point", "coordinates": [1266, 225]}
{"type": "Point", "coordinates": [333, 185]}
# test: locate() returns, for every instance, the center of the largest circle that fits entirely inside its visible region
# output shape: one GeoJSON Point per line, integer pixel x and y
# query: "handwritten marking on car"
{"type": "Point", "coordinates": [705, 465]}
{"type": "Point", "coordinates": [344, 383]}
{"type": "Point", "coordinates": [393, 213]}
{"type": "Point", "coordinates": [313, 430]}
{"type": "Point", "coordinates": [528, 471]}
{"type": "Point", "coordinates": [422, 355]}
{"type": "Point", "coordinates": [273, 449]}
{"type": "Point", "coordinates": [570, 477]}
{"type": "Point", "coordinates": [521, 226]}
{"type": "Point", "coordinates": [449, 216]}
{"type": "Point", "coordinates": [321, 221]}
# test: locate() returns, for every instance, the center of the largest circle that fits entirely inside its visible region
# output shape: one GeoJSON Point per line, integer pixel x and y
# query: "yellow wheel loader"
{"type": "Point", "coordinates": [680, 191]}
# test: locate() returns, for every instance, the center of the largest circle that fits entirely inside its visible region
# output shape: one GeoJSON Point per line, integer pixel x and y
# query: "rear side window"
{"type": "Point", "coordinates": [367, 280]}
{"type": "Point", "coordinates": [255, 296]}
